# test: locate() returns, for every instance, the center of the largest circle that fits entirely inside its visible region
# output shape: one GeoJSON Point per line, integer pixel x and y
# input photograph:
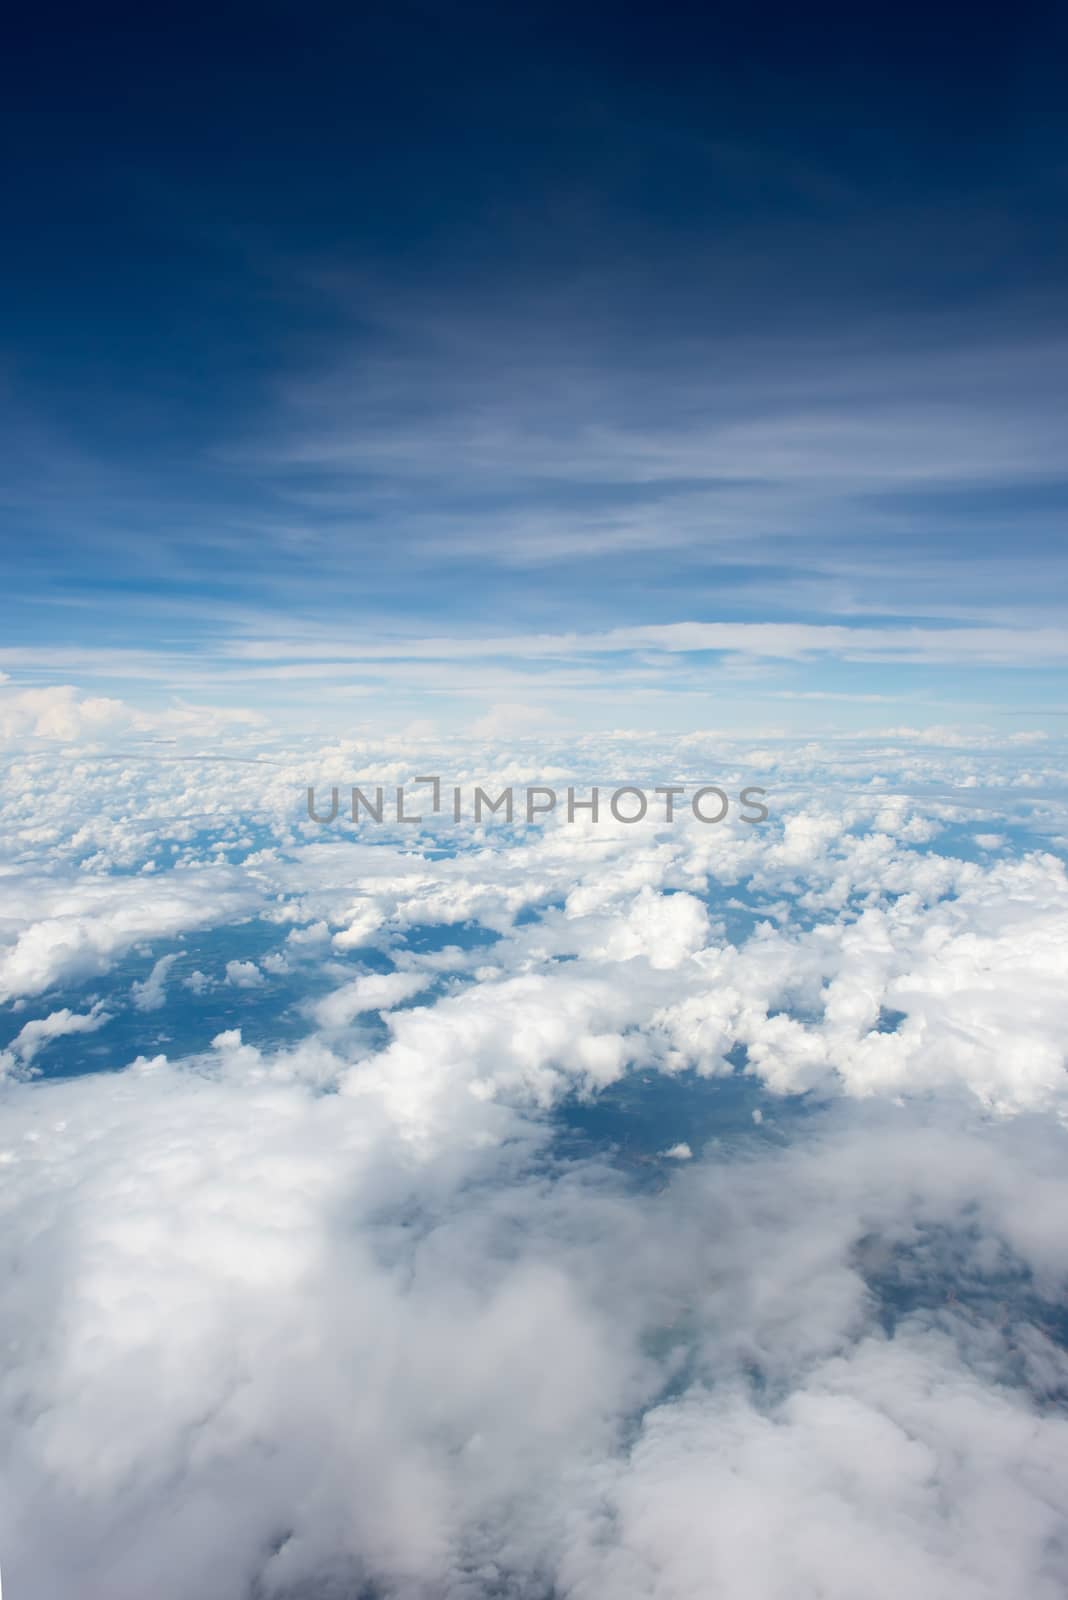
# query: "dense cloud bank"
{"type": "Point", "coordinates": [254, 1336]}
{"type": "Point", "coordinates": [335, 1308]}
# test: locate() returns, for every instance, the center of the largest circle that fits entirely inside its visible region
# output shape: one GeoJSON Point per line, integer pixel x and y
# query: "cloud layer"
{"type": "Point", "coordinates": [338, 1302]}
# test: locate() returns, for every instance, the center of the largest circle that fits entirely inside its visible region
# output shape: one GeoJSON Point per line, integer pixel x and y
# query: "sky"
{"type": "Point", "coordinates": [435, 364]}
{"type": "Point", "coordinates": [641, 1204]}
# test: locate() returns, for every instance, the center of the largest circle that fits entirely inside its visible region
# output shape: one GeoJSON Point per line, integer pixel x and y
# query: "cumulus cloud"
{"type": "Point", "coordinates": [375, 991]}
{"type": "Point", "coordinates": [59, 713]}
{"type": "Point", "coordinates": [349, 1314]}
{"type": "Point", "coordinates": [62, 713]}
{"type": "Point", "coordinates": [34, 1035]}
{"type": "Point", "coordinates": [151, 994]}
{"type": "Point", "coordinates": [243, 974]}
{"type": "Point", "coordinates": [68, 927]}
{"type": "Point", "coordinates": [338, 1360]}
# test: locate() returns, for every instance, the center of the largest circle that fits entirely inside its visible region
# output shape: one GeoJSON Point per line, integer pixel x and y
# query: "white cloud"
{"type": "Point", "coordinates": [243, 974]}
{"type": "Point", "coordinates": [34, 1035]}
{"type": "Point", "coordinates": [60, 712]}
{"type": "Point", "coordinates": [295, 1350]}
{"type": "Point", "coordinates": [375, 991]}
{"type": "Point", "coordinates": [303, 1319]}
{"type": "Point", "coordinates": [152, 993]}
{"type": "Point", "coordinates": [63, 928]}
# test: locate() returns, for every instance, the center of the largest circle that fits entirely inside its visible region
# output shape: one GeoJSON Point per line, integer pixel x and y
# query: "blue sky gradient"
{"type": "Point", "coordinates": [421, 363]}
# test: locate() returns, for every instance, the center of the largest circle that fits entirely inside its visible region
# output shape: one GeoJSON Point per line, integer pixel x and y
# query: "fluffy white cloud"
{"type": "Point", "coordinates": [244, 974]}
{"type": "Point", "coordinates": [268, 1341]}
{"type": "Point", "coordinates": [305, 1320]}
{"type": "Point", "coordinates": [893, 1469]}
{"type": "Point", "coordinates": [374, 991]}
{"type": "Point", "coordinates": [65, 928]}
{"type": "Point", "coordinates": [151, 994]}
{"type": "Point", "coordinates": [61, 713]}
{"type": "Point", "coordinates": [34, 1035]}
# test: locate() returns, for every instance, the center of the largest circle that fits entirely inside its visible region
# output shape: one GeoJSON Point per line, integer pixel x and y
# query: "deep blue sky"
{"type": "Point", "coordinates": [327, 329]}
